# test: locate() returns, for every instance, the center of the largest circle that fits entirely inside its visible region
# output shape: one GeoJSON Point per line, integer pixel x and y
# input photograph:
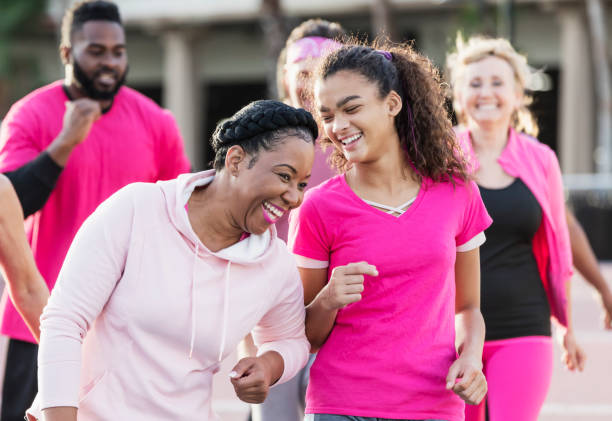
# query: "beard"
{"type": "Point", "coordinates": [88, 84]}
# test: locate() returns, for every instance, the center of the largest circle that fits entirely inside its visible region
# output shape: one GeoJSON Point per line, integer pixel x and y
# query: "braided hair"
{"type": "Point", "coordinates": [261, 124]}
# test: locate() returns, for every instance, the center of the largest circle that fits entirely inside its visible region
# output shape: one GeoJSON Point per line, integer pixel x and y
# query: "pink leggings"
{"type": "Point", "coordinates": [518, 373]}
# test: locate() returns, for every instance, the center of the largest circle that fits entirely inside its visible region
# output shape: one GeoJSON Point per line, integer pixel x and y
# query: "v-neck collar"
{"type": "Point", "coordinates": [417, 200]}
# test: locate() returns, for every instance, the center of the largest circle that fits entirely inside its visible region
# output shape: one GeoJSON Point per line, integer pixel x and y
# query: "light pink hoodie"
{"type": "Point", "coordinates": [160, 310]}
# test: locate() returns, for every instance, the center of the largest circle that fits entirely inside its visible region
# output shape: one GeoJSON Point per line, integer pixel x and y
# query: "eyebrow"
{"type": "Point", "coordinates": [97, 45]}
{"type": "Point", "coordinates": [341, 102]}
{"type": "Point", "coordinates": [293, 170]}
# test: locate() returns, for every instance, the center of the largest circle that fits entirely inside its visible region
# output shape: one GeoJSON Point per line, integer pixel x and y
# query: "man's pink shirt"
{"type": "Point", "coordinates": [134, 141]}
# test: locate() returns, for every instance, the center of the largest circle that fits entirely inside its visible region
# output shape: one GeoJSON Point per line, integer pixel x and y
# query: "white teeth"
{"type": "Point", "coordinates": [106, 79]}
{"type": "Point", "coordinates": [273, 210]}
{"type": "Point", "coordinates": [488, 107]}
{"type": "Point", "coordinates": [351, 139]}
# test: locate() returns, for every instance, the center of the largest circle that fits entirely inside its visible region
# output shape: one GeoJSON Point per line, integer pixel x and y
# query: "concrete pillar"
{"type": "Point", "coordinates": [577, 100]}
{"type": "Point", "coordinates": [182, 90]}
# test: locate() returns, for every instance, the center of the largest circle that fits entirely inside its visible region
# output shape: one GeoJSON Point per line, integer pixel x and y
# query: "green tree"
{"type": "Point", "coordinates": [18, 73]}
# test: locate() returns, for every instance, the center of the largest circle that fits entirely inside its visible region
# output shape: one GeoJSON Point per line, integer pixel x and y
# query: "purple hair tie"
{"type": "Point", "coordinates": [385, 54]}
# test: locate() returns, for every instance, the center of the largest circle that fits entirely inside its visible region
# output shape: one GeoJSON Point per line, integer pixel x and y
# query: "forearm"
{"type": "Point", "coordinates": [30, 303]}
{"type": "Point", "coordinates": [60, 413]}
{"type": "Point", "coordinates": [319, 323]}
{"type": "Point", "coordinates": [60, 149]}
{"type": "Point", "coordinates": [470, 332]}
{"type": "Point", "coordinates": [274, 366]}
{"type": "Point", "coordinates": [34, 182]}
{"type": "Point", "coordinates": [25, 285]}
{"type": "Point", "coordinates": [584, 258]}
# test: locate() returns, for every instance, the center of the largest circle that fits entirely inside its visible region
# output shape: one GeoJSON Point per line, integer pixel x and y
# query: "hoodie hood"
{"type": "Point", "coordinates": [177, 192]}
{"type": "Point", "coordinates": [249, 250]}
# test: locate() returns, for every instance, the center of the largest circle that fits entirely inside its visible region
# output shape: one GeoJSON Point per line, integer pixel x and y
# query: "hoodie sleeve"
{"type": "Point", "coordinates": [282, 327]}
{"type": "Point", "coordinates": [93, 266]}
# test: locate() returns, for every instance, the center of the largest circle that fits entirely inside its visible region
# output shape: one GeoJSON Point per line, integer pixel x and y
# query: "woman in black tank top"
{"type": "Point", "coordinates": [489, 78]}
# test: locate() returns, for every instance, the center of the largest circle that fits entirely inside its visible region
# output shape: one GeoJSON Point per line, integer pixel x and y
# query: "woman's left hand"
{"type": "Point", "coordinates": [573, 356]}
{"type": "Point", "coordinates": [250, 380]}
{"type": "Point", "coordinates": [472, 386]}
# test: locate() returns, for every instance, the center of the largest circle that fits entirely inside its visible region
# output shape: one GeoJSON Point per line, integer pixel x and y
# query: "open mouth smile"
{"type": "Point", "coordinates": [349, 140]}
{"type": "Point", "coordinates": [272, 213]}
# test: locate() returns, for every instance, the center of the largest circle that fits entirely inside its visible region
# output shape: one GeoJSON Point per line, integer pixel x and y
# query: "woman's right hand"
{"type": "Point", "coordinates": [573, 356]}
{"type": "Point", "coordinates": [346, 285]}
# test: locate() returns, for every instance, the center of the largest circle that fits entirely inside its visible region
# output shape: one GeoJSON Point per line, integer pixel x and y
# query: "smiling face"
{"type": "Point", "coordinates": [99, 59]}
{"type": "Point", "coordinates": [488, 93]}
{"type": "Point", "coordinates": [355, 118]}
{"type": "Point", "coordinates": [272, 184]}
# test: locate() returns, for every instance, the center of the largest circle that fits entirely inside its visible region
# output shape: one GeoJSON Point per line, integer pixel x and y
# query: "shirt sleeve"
{"type": "Point", "coordinates": [282, 328]}
{"type": "Point", "coordinates": [558, 215]}
{"type": "Point", "coordinates": [308, 236]}
{"type": "Point", "coordinates": [93, 266]}
{"type": "Point", "coordinates": [172, 160]}
{"type": "Point", "coordinates": [34, 182]}
{"type": "Point", "coordinates": [475, 217]}
{"type": "Point", "coordinates": [19, 143]}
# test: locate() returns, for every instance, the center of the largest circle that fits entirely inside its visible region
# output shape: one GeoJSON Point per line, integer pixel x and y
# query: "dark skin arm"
{"type": "Point", "coordinates": [586, 263]}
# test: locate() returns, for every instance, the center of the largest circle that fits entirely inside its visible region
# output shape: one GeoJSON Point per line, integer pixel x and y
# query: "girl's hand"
{"type": "Point", "coordinates": [573, 356]}
{"type": "Point", "coordinates": [472, 386]}
{"type": "Point", "coordinates": [346, 285]}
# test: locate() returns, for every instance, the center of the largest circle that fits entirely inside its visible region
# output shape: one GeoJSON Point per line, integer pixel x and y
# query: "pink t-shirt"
{"type": "Point", "coordinates": [321, 171]}
{"type": "Point", "coordinates": [388, 355]}
{"type": "Point", "coordinates": [134, 141]}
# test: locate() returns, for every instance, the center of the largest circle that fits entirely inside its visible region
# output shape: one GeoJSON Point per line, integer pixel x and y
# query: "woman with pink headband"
{"type": "Point", "coordinates": [388, 250]}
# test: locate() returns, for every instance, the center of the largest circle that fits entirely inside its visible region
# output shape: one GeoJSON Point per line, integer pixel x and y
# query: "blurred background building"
{"type": "Point", "coordinates": [204, 59]}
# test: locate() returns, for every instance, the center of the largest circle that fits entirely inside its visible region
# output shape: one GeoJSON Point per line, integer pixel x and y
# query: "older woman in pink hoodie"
{"type": "Point", "coordinates": [163, 280]}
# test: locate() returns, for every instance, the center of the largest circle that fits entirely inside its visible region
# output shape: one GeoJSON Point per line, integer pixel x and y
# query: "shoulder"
{"type": "Point", "coordinates": [140, 101]}
{"type": "Point", "coordinates": [42, 96]}
{"type": "Point", "coordinates": [327, 189]}
{"type": "Point", "coordinates": [535, 147]}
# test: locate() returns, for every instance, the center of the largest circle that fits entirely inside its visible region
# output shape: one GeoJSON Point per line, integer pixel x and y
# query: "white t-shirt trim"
{"type": "Point", "coordinates": [308, 263]}
{"type": "Point", "coordinates": [476, 241]}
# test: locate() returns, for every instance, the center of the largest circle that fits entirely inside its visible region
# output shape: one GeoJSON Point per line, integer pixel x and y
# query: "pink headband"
{"type": "Point", "coordinates": [310, 47]}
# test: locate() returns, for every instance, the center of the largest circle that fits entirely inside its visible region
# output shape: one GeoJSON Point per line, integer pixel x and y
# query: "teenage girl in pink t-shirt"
{"type": "Point", "coordinates": [389, 250]}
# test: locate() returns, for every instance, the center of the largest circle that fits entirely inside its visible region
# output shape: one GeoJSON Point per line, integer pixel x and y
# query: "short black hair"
{"type": "Point", "coordinates": [261, 125]}
{"type": "Point", "coordinates": [84, 11]}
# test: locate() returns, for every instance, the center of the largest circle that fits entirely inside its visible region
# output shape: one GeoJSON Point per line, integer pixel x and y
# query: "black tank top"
{"type": "Point", "coordinates": [513, 299]}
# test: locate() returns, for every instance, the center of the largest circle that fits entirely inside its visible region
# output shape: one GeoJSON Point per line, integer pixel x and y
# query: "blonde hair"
{"type": "Point", "coordinates": [479, 47]}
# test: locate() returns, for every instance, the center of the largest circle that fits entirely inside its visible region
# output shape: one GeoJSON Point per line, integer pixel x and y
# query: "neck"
{"type": "Point", "coordinates": [489, 138]}
{"type": "Point", "coordinates": [388, 173]}
{"type": "Point", "coordinates": [210, 217]}
{"type": "Point", "coordinates": [75, 91]}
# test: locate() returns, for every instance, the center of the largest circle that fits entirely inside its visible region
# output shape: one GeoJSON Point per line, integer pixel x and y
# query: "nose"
{"type": "Point", "coordinates": [340, 123]}
{"type": "Point", "coordinates": [110, 60]}
{"type": "Point", "coordinates": [293, 196]}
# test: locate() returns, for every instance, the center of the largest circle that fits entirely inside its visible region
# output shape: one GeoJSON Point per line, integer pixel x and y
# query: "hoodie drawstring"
{"type": "Point", "coordinates": [193, 300]}
{"type": "Point", "coordinates": [225, 310]}
{"type": "Point", "coordinates": [225, 306]}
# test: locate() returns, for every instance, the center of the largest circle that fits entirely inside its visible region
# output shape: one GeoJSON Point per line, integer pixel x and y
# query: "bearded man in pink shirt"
{"type": "Point", "coordinates": [86, 137]}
